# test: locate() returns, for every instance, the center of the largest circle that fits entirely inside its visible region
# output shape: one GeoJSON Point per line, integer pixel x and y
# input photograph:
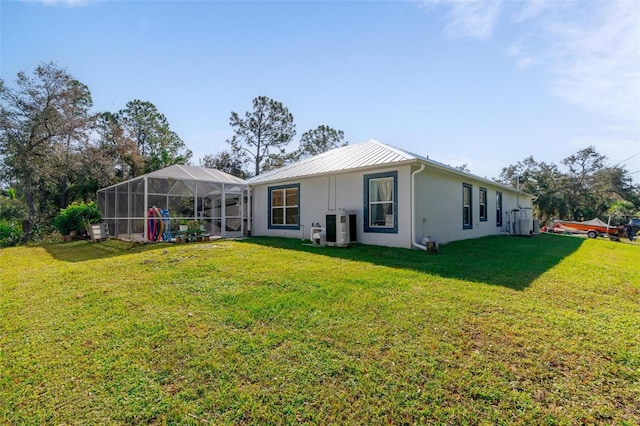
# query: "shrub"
{"type": "Point", "coordinates": [76, 217]}
{"type": "Point", "coordinates": [10, 233]}
{"type": "Point", "coordinates": [12, 208]}
{"type": "Point", "coordinates": [193, 225]}
{"type": "Point", "coordinates": [621, 211]}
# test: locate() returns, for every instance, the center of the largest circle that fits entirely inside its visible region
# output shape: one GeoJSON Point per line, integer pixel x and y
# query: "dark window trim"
{"type": "Point", "coordinates": [275, 188]}
{"type": "Point", "coordinates": [366, 180]}
{"type": "Point", "coordinates": [483, 217]}
{"type": "Point", "coordinates": [470, 188]}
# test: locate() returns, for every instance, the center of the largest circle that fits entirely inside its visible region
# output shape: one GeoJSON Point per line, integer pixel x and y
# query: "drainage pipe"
{"type": "Point", "coordinates": [413, 209]}
{"type": "Point", "coordinates": [249, 210]}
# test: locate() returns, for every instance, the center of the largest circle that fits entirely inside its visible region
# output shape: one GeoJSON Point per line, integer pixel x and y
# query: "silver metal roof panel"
{"type": "Point", "coordinates": [366, 154]}
{"type": "Point", "coordinates": [182, 172]}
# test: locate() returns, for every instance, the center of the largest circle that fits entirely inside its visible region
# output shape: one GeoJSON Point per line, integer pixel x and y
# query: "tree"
{"type": "Point", "coordinates": [541, 180]}
{"type": "Point", "coordinates": [120, 152]}
{"type": "Point", "coordinates": [589, 188]}
{"type": "Point", "coordinates": [611, 183]}
{"type": "Point", "coordinates": [39, 118]}
{"type": "Point", "coordinates": [149, 130]}
{"type": "Point", "coordinates": [11, 208]}
{"type": "Point", "coordinates": [263, 133]}
{"type": "Point", "coordinates": [621, 211]}
{"type": "Point", "coordinates": [319, 140]}
{"type": "Point", "coordinates": [276, 161]}
{"type": "Point", "coordinates": [225, 161]}
{"type": "Point", "coordinates": [580, 180]}
{"type": "Point", "coordinates": [464, 168]}
{"type": "Point", "coordinates": [96, 170]}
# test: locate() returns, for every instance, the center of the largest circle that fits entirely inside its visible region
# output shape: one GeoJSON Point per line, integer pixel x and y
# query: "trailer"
{"type": "Point", "coordinates": [593, 228]}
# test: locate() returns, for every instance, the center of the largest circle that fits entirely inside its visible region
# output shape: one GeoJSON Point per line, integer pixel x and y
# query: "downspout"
{"type": "Point", "coordinates": [413, 209]}
{"type": "Point", "coordinates": [249, 210]}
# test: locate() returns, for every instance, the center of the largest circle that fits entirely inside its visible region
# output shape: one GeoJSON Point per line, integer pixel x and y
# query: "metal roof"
{"type": "Point", "coordinates": [182, 172]}
{"type": "Point", "coordinates": [363, 155]}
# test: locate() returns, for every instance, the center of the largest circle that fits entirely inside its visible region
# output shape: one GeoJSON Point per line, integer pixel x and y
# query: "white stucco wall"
{"type": "Point", "coordinates": [330, 192]}
{"type": "Point", "coordinates": [438, 206]}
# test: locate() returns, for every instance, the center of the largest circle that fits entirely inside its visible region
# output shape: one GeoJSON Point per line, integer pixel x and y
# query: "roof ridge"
{"type": "Point", "coordinates": [369, 153]}
{"type": "Point", "coordinates": [184, 170]}
{"type": "Point", "coordinates": [397, 150]}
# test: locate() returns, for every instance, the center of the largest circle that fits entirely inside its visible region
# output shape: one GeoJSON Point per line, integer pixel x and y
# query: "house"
{"type": "Point", "coordinates": [388, 197]}
{"type": "Point", "coordinates": [398, 198]}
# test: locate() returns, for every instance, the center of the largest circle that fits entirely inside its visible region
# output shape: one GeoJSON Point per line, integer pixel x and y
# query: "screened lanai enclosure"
{"type": "Point", "coordinates": [217, 200]}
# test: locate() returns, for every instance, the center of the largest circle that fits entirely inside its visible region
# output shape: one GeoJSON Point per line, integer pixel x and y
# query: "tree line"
{"type": "Point", "coordinates": [583, 187]}
{"type": "Point", "coordinates": [55, 151]}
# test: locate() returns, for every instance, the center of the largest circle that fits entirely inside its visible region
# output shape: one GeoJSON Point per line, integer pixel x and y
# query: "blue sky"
{"type": "Point", "coordinates": [482, 83]}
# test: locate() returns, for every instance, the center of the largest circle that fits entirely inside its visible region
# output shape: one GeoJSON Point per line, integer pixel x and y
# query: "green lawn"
{"type": "Point", "coordinates": [498, 330]}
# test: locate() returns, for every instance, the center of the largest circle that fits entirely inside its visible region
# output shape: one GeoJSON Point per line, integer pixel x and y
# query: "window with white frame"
{"type": "Point", "coordinates": [380, 202]}
{"type": "Point", "coordinates": [284, 207]}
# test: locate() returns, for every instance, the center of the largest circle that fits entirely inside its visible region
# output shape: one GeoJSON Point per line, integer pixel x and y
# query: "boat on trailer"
{"type": "Point", "coordinates": [593, 228]}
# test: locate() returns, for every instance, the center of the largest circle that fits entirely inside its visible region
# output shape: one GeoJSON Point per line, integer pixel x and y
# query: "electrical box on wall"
{"type": "Point", "coordinates": [341, 227]}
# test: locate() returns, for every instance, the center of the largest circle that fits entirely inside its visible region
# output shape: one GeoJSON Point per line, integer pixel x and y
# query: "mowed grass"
{"type": "Point", "coordinates": [498, 330]}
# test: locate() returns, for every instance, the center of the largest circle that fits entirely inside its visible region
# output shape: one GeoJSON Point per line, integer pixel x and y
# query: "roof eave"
{"type": "Point", "coordinates": [453, 170]}
{"type": "Point", "coordinates": [336, 172]}
{"type": "Point", "coordinates": [430, 163]}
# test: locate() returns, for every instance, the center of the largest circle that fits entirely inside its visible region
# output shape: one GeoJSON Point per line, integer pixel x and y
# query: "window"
{"type": "Point", "coordinates": [467, 212]}
{"type": "Point", "coordinates": [498, 208]}
{"type": "Point", "coordinates": [381, 202]}
{"type": "Point", "coordinates": [284, 207]}
{"type": "Point", "coordinates": [483, 204]}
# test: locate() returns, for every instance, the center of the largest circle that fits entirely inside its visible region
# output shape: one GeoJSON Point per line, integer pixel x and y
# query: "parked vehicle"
{"type": "Point", "coordinates": [593, 228]}
{"type": "Point", "coordinates": [632, 228]}
{"type": "Point", "coordinates": [596, 227]}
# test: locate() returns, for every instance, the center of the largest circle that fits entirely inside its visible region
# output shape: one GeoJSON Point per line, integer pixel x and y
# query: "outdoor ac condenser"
{"type": "Point", "coordinates": [341, 227]}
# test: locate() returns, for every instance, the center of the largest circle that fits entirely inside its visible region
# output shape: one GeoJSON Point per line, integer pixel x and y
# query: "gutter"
{"type": "Point", "coordinates": [413, 209]}
{"type": "Point", "coordinates": [255, 181]}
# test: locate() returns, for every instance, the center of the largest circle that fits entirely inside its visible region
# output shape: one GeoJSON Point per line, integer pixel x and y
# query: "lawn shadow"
{"type": "Point", "coordinates": [508, 261]}
{"type": "Point", "coordinates": [80, 251]}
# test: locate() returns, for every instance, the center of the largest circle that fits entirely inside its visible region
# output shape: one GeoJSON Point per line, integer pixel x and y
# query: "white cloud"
{"type": "Point", "coordinates": [65, 3]}
{"type": "Point", "coordinates": [523, 58]}
{"type": "Point", "coordinates": [590, 48]}
{"type": "Point", "coordinates": [531, 9]}
{"type": "Point", "coordinates": [596, 60]}
{"type": "Point", "coordinates": [470, 18]}
{"type": "Point", "coordinates": [525, 62]}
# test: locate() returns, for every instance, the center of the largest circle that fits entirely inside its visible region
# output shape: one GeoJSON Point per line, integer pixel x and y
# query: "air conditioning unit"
{"type": "Point", "coordinates": [318, 235]}
{"type": "Point", "coordinates": [341, 227]}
